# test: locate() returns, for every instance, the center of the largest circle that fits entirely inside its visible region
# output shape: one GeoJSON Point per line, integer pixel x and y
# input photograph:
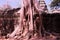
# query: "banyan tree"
{"type": "Point", "coordinates": [29, 20]}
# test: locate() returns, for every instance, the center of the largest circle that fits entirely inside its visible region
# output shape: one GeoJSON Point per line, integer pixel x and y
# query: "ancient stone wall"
{"type": "Point", "coordinates": [51, 22]}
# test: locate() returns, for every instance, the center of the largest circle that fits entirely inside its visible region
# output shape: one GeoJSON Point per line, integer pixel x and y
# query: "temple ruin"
{"type": "Point", "coordinates": [30, 22]}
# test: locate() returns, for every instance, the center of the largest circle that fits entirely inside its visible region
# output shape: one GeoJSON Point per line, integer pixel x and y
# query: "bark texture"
{"type": "Point", "coordinates": [29, 27]}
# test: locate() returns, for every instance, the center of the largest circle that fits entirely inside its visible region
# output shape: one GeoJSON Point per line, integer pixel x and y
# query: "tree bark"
{"type": "Point", "coordinates": [30, 6]}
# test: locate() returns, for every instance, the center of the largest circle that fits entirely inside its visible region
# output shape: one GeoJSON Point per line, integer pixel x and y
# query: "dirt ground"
{"type": "Point", "coordinates": [33, 38]}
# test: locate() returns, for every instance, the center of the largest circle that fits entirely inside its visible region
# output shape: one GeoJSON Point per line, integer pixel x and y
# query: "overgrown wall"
{"type": "Point", "coordinates": [51, 22]}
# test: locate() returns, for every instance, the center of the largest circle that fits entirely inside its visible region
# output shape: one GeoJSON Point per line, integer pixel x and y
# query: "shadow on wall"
{"type": "Point", "coordinates": [51, 22]}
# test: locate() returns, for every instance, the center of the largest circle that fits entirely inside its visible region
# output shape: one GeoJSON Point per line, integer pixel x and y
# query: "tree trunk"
{"type": "Point", "coordinates": [29, 7]}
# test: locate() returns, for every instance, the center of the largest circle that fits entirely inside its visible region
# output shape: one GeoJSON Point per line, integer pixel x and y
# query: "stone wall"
{"type": "Point", "coordinates": [51, 22]}
{"type": "Point", "coordinates": [7, 21]}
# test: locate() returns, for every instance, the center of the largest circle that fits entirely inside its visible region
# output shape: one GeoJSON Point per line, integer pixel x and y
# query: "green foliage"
{"type": "Point", "coordinates": [54, 3]}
